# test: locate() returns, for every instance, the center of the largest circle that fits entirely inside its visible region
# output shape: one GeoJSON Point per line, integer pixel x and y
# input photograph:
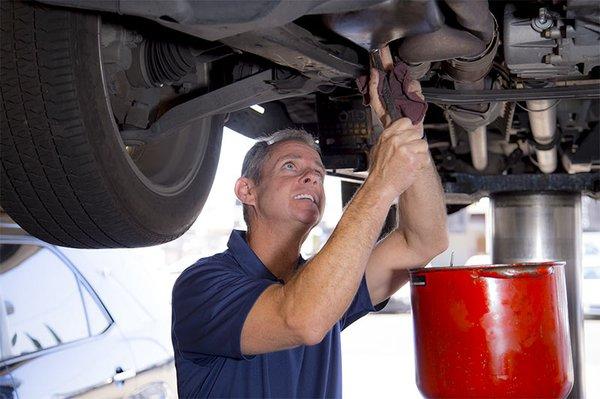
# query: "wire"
{"type": "Point", "coordinates": [533, 161]}
{"type": "Point", "coordinates": [538, 110]}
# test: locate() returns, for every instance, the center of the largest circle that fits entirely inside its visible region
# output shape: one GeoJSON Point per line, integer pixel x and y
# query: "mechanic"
{"type": "Point", "coordinates": [259, 321]}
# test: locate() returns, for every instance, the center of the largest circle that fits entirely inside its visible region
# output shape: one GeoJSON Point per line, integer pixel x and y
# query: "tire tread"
{"type": "Point", "coordinates": [44, 148]}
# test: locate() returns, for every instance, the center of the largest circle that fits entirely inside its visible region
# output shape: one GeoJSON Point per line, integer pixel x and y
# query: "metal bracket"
{"type": "Point", "coordinates": [265, 86]}
{"type": "Point", "coordinates": [454, 97]}
{"type": "Point", "coordinates": [295, 47]}
{"type": "Point", "coordinates": [468, 188]}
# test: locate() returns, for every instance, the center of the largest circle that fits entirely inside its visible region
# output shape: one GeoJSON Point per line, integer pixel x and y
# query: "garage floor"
{"type": "Point", "coordinates": [378, 358]}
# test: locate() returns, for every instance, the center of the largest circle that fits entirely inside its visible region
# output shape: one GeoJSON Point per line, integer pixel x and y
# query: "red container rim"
{"type": "Point", "coordinates": [499, 266]}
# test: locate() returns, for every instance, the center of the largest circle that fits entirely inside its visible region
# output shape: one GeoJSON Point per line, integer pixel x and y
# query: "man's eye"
{"type": "Point", "coordinates": [288, 165]}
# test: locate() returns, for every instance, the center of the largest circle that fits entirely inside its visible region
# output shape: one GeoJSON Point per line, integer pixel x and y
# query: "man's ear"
{"type": "Point", "coordinates": [245, 191]}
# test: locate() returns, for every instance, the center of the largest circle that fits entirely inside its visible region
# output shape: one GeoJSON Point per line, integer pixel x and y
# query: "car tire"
{"type": "Point", "coordinates": [67, 177]}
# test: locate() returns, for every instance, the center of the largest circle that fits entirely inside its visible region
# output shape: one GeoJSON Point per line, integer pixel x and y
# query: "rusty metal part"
{"type": "Point", "coordinates": [475, 16]}
{"type": "Point", "coordinates": [443, 44]}
{"type": "Point", "coordinates": [466, 69]}
{"type": "Point", "coordinates": [376, 26]}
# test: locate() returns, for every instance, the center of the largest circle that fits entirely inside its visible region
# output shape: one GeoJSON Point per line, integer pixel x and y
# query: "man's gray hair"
{"type": "Point", "coordinates": [258, 154]}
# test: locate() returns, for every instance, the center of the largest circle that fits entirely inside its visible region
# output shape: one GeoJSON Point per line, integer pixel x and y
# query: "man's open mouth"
{"type": "Point", "coordinates": [305, 196]}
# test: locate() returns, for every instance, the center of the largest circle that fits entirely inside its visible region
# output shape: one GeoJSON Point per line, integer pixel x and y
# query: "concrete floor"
{"type": "Point", "coordinates": [378, 358]}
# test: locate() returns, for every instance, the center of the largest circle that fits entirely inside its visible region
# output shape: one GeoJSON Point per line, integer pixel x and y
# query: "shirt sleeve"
{"type": "Point", "coordinates": [210, 304]}
{"type": "Point", "coordinates": [360, 306]}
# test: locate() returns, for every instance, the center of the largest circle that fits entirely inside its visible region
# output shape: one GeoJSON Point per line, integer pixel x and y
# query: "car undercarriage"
{"type": "Point", "coordinates": [513, 90]}
{"type": "Point", "coordinates": [112, 113]}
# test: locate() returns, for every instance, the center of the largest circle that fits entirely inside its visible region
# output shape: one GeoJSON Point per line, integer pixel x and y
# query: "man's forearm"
{"type": "Point", "coordinates": [320, 293]}
{"type": "Point", "coordinates": [422, 212]}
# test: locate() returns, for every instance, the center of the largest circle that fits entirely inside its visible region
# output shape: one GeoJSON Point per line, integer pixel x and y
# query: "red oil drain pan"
{"type": "Point", "coordinates": [497, 331]}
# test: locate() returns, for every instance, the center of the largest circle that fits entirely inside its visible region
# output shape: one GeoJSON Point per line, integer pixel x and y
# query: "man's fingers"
{"type": "Point", "coordinates": [409, 143]}
{"type": "Point", "coordinates": [422, 160]}
{"type": "Point", "coordinates": [375, 102]}
{"type": "Point", "coordinates": [386, 58]}
{"type": "Point", "coordinates": [405, 136]}
{"type": "Point", "coordinates": [414, 86]}
{"type": "Point", "coordinates": [418, 146]}
{"type": "Point", "coordinates": [401, 124]}
{"type": "Point", "coordinates": [373, 81]}
{"type": "Point", "coordinates": [414, 134]}
{"type": "Point", "coordinates": [377, 106]}
{"type": "Point", "coordinates": [404, 128]}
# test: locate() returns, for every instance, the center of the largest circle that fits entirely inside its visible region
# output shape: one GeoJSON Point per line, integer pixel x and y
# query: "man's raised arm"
{"type": "Point", "coordinates": [421, 233]}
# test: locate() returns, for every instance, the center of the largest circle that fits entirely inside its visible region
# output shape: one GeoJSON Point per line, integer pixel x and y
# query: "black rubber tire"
{"type": "Point", "coordinates": [66, 178]}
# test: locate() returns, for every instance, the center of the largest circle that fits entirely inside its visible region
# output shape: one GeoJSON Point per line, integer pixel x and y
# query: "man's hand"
{"type": "Point", "coordinates": [375, 103]}
{"type": "Point", "coordinates": [400, 152]}
{"type": "Point", "coordinates": [398, 157]}
{"type": "Point", "coordinates": [378, 108]}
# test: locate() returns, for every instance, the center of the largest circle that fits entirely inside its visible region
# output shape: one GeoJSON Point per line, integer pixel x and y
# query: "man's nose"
{"type": "Point", "coordinates": [310, 176]}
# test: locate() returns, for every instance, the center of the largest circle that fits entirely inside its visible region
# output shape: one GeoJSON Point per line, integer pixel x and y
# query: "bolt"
{"type": "Point", "coordinates": [185, 88]}
{"type": "Point", "coordinates": [542, 21]}
{"type": "Point", "coordinates": [543, 16]}
{"type": "Point", "coordinates": [552, 58]}
{"type": "Point", "coordinates": [552, 33]}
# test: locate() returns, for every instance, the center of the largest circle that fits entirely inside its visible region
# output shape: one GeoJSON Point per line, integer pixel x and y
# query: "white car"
{"type": "Point", "coordinates": [82, 323]}
{"type": "Point", "coordinates": [591, 274]}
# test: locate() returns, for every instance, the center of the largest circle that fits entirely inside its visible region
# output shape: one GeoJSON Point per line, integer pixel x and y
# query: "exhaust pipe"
{"type": "Point", "coordinates": [474, 41]}
{"type": "Point", "coordinates": [443, 44]}
{"type": "Point", "coordinates": [478, 144]}
{"type": "Point", "coordinates": [542, 119]}
{"type": "Point", "coordinates": [475, 16]}
{"type": "Point", "coordinates": [468, 55]}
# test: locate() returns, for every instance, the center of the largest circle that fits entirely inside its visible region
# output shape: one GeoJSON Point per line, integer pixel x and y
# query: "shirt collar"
{"type": "Point", "coordinates": [247, 259]}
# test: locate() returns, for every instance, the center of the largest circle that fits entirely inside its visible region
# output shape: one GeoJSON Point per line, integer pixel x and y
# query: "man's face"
{"type": "Point", "coordinates": [291, 187]}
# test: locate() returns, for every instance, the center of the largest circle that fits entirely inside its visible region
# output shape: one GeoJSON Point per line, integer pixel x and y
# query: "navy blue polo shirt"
{"type": "Point", "coordinates": [211, 300]}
